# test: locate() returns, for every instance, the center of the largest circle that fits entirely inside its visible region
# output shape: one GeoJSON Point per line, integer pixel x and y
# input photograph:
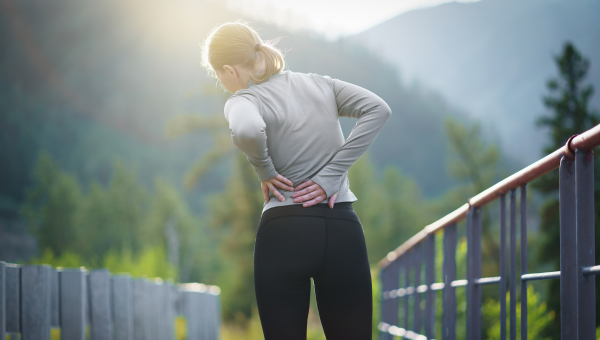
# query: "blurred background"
{"type": "Point", "coordinates": [114, 152]}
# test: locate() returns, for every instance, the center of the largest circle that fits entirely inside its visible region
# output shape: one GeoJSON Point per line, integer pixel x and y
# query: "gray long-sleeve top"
{"type": "Point", "coordinates": [289, 125]}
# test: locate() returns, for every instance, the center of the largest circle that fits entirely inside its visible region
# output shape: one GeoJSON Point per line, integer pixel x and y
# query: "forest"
{"type": "Point", "coordinates": [115, 154]}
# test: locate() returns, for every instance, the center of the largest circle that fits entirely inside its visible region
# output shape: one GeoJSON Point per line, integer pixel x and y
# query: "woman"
{"type": "Point", "coordinates": [287, 124]}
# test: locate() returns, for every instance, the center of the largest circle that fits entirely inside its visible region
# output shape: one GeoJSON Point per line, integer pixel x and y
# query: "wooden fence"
{"type": "Point", "coordinates": [34, 299]}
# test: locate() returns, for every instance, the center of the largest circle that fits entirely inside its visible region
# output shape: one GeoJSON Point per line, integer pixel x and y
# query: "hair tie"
{"type": "Point", "coordinates": [256, 47]}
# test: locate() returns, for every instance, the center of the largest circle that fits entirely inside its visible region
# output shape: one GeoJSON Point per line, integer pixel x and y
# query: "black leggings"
{"type": "Point", "coordinates": [293, 244]}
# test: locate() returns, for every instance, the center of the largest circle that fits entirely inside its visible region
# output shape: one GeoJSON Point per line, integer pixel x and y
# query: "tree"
{"type": "Point", "coordinates": [475, 165]}
{"type": "Point", "coordinates": [569, 114]}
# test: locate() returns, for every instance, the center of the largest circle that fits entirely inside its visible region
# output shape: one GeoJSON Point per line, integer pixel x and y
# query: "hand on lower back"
{"type": "Point", "coordinates": [272, 185]}
{"type": "Point", "coordinates": [310, 193]}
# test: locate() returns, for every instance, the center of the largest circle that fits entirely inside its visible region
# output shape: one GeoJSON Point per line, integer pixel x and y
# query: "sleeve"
{"type": "Point", "coordinates": [248, 132]}
{"type": "Point", "coordinates": [372, 114]}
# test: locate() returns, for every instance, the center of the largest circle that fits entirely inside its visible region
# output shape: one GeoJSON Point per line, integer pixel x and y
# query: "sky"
{"type": "Point", "coordinates": [332, 18]}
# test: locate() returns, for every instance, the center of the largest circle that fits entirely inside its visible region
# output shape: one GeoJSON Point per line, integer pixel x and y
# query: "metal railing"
{"type": "Point", "coordinates": [577, 250]}
{"type": "Point", "coordinates": [35, 299]}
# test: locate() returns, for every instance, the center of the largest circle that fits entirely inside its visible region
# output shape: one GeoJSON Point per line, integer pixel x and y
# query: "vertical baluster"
{"type": "Point", "coordinates": [513, 265]}
{"type": "Point", "coordinates": [384, 295]}
{"type": "Point", "coordinates": [99, 290]}
{"type": "Point", "coordinates": [72, 303]}
{"type": "Point", "coordinates": [568, 250]}
{"type": "Point", "coordinates": [407, 265]}
{"type": "Point", "coordinates": [470, 276]}
{"type": "Point", "coordinates": [449, 317]}
{"type": "Point", "coordinates": [122, 297]}
{"type": "Point", "coordinates": [140, 310]}
{"type": "Point", "coordinates": [13, 299]}
{"type": "Point", "coordinates": [54, 296]}
{"type": "Point", "coordinates": [523, 212]}
{"type": "Point", "coordinates": [2, 300]}
{"type": "Point", "coordinates": [153, 306]}
{"type": "Point", "coordinates": [429, 280]}
{"type": "Point", "coordinates": [473, 273]}
{"type": "Point", "coordinates": [35, 303]}
{"type": "Point", "coordinates": [418, 249]}
{"type": "Point", "coordinates": [503, 267]}
{"type": "Point", "coordinates": [394, 285]}
{"type": "Point", "coordinates": [168, 307]}
{"type": "Point", "coordinates": [586, 292]}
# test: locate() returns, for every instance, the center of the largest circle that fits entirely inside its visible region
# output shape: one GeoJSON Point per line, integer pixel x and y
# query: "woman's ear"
{"type": "Point", "coordinates": [229, 71]}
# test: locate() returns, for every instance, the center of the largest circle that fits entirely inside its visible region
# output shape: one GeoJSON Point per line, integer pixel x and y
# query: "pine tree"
{"type": "Point", "coordinates": [569, 114]}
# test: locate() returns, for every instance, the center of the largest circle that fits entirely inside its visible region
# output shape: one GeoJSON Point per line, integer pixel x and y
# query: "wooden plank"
{"type": "Point", "coordinates": [73, 297]}
{"type": "Point", "coordinates": [122, 302]}
{"type": "Point", "coordinates": [99, 290]}
{"type": "Point", "coordinates": [13, 299]}
{"type": "Point", "coordinates": [35, 302]}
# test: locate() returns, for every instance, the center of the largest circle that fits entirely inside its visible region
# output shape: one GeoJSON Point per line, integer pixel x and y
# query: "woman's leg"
{"type": "Point", "coordinates": [288, 252]}
{"type": "Point", "coordinates": [343, 285]}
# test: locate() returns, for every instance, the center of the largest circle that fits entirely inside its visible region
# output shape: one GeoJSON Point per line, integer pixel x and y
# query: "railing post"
{"type": "Point", "coordinates": [72, 303]}
{"type": "Point", "coordinates": [513, 264]}
{"type": "Point", "coordinates": [122, 298]}
{"type": "Point", "coordinates": [503, 271]}
{"type": "Point", "coordinates": [586, 291]}
{"type": "Point", "coordinates": [429, 280]}
{"type": "Point", "coordinates": [568, 250]}
{"type": "Point", "coordinates": [417, 265]}
{"type": "Point", "coordinates": [449, 316]}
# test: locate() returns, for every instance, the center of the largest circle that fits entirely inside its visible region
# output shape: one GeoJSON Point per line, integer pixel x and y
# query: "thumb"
{"type": "Point", "coordinates": [332, 200]}
{"type": "Point", "coordinates": [265, 191]}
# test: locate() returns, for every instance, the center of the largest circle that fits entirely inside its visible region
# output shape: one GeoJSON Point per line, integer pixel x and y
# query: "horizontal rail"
{"type": "Point", "coordinates": [540, 276]}
{"type": "Point", "coordinates": [487, 280]}
{"type": "Point", "coordinates": [595, 270]}
{"type": "Point", "coordinates": [399, 331]}
{"type": "Point", "coordinates": [585, 141]}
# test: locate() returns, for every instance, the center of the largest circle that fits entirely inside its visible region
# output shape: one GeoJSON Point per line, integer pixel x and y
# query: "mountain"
{"type": "Point", "coordinates": [492, 59]}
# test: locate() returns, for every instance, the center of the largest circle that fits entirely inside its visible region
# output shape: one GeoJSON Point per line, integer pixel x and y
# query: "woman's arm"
{"type": "Point", "coordinates": [372, 113]}
{"type": "Point", "coordinates": [248, 134]}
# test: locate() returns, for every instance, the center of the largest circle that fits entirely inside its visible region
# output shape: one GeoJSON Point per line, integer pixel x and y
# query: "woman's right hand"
{"type": "Point", "coordinates": [271, 185]}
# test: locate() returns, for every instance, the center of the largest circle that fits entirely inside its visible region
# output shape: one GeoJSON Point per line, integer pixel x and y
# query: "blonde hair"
{"type": "Point", "coordinates": [236, 43]}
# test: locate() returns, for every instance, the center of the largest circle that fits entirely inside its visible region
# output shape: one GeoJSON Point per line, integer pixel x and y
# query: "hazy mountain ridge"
{"type": "Point", "coordinates": [492, 58]}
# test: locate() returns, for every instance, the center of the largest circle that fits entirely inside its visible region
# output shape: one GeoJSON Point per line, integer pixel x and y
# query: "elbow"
{"type": "Point", "coordinates": [246, 137]}
{"type": "Point", "coordinates": [386, 112]}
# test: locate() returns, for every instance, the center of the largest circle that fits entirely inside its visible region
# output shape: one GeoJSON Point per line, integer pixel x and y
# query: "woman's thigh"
{"type": "Point", "coordinates": [343, 286]}
{"type": "Point", "coordinates": [287, 253]}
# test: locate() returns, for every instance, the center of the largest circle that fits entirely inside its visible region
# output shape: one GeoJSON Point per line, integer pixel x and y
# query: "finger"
{"type": "Point", "coordinates": [282, 185]}
{"type": "Point", "coordinates": [332, 200]}
{"type": "Point", "coordinates": [276, 192]}
{"type": "Point", "coordinates": [307, 190]}
{"type": "Point", "coordinates": [284, 180]}
{"type": "Point", "coordinates": [308, 196]}
{"type": "Point", "coordinates": [304, 185]}
{"type": "Point", "coordinates": [314, 201]}
{"type": "Point", "coordinates": [265, 191]}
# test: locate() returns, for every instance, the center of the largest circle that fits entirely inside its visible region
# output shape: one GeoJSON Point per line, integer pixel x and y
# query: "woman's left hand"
{"type": "Point", "coordinates": [311, 193]}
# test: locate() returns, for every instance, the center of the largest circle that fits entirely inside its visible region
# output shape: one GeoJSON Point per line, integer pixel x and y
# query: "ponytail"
{"type": "Point", "coordinates": [236, 43]}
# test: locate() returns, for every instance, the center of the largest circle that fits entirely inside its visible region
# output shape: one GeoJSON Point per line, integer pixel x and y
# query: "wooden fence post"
{"type": "Point", "coordinates": [35, 303]}
{"type": "Point", "coordinates": [99, 297]}
{"type": "Point", "coordinates": [73, 296]}
{"type": "Point", "coordinates": [122, 303]}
